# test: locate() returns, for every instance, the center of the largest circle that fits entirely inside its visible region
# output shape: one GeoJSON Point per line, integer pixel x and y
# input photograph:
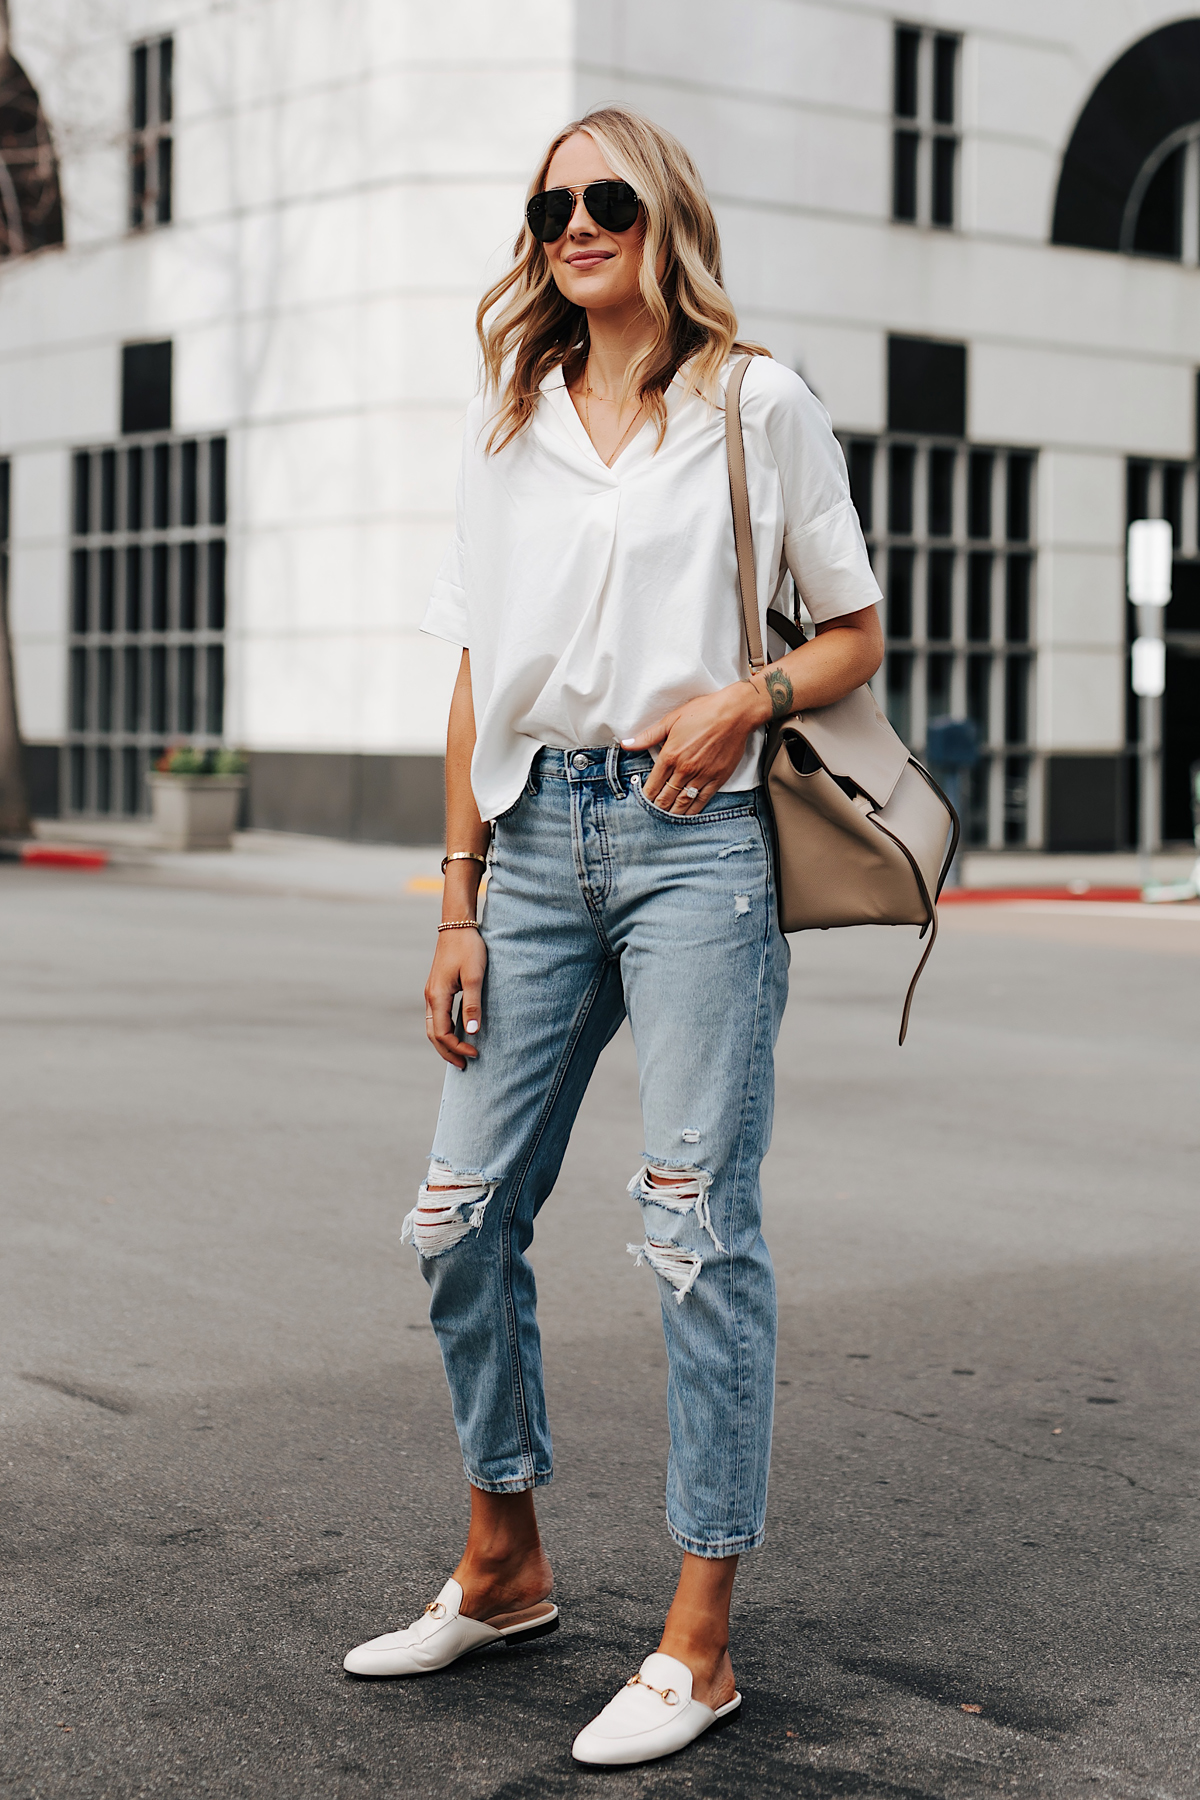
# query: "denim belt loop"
{"type": "Point", "coordinates": [612, 768]}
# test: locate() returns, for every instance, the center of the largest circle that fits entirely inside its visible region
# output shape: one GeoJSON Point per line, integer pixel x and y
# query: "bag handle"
{"type": "Point", "coordinates": [735, 450]}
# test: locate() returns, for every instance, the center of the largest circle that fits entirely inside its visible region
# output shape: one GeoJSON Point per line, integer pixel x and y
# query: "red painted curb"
{"type": "Point", "coordinates": [63, 856]}
{"type": "Point", "coordinates": [997, 896]}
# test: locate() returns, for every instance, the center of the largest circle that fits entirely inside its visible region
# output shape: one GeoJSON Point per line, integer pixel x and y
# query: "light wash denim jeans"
{"type": "Point", "coordinates": [600, 905]}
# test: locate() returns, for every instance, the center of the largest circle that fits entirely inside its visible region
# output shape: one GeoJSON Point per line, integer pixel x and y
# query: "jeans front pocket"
{"type": "Point", "coordinates": [721, 806]}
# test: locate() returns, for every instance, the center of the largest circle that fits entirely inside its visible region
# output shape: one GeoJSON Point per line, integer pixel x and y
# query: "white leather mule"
{"type": "Point", "coordinates": [653, 1715]}
{"type": "Point", "coordinates": [441, 1635]}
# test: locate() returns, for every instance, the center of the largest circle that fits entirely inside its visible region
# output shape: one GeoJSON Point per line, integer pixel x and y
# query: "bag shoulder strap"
{"type": "Point", "coordinates": [735, 450]}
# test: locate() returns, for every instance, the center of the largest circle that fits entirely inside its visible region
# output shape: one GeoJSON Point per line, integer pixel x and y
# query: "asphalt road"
{"type": "Point", "coordinates": [227, 1447]}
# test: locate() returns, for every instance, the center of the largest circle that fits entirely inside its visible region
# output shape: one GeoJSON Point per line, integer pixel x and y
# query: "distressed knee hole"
{"type": "Point", "coordinates": [679, 1267]}
{"type": "Point", "coordinates": [680, 1190]}
{"type": "Point", "coordinates": [449, 1205]}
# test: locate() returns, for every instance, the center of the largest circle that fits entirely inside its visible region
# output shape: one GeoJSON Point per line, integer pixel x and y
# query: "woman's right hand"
{"type": "Point", "coordinates": [458, 966]}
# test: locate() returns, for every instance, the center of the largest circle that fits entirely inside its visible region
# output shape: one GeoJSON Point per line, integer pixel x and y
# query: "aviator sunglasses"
{"type": "Point", "coordinates": [612, 205]}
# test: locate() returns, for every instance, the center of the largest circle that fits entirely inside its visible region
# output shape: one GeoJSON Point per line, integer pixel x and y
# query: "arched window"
{"type": "Point", "coordinates": [30, 201]}
{"type": "Point", "coordinates": [1131, 175]}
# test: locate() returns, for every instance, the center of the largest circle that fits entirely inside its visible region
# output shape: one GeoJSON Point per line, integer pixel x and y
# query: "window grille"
{"type": "Point", "coordinates": [1162, 212]}
{"type": "Point", "coordinates": [951, 529]}
{"type": "Point", "coordinates": [147, 614]}
{"type": "Point", "coordinates": [925, 135]}
{"type": "Point", "coordinates": [151, 141]}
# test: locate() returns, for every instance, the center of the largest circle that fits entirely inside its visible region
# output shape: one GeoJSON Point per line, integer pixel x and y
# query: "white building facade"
{"type": "Point", "coordinates": [231, 396]}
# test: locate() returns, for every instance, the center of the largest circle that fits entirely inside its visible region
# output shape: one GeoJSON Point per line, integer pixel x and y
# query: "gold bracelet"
{"type": "Point", "coordinates": [459, 925]}
{"type": "Point", "coordinates": [463, 856]}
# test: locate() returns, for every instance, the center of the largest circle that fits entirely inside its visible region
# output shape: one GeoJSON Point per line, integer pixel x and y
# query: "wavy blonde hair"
{"type": "Point", "coordinates": [538, 329]}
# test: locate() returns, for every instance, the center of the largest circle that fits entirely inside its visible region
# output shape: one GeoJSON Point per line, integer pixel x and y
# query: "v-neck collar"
{"type": "Point", "coordinates": [555, 390]}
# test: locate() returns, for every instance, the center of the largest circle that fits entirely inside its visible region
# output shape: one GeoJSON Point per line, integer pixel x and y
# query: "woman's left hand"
{"type": "Point", "coordinates": [703, 741]}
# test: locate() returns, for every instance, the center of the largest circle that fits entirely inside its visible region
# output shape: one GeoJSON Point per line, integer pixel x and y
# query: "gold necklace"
{"type": "Point", "coordinates": [587, 420]}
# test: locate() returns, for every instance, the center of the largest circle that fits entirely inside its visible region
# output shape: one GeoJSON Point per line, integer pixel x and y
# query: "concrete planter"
{"type": "Point", "coordinates": [196, 812]}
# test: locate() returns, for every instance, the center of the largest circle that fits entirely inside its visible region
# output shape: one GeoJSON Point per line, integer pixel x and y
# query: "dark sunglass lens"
{"type": "Point", "coordinates": [549, 214]}
{"type": "Point", "coordinates": [613, 205]}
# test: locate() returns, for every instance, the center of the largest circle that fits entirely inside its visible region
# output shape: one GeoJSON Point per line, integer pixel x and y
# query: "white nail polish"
{"type": "Point", "coordinates": [472, 1024]}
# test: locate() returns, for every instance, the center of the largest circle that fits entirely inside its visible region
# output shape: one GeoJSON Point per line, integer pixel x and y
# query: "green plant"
{"type": "Point", "coordinates": [181, 759]}
{"type": "Point", "coordinates": [184, 759]}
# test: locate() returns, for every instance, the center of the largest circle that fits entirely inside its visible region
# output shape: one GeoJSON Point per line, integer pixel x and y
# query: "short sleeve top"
{"type": "Point", "coordinates": [594, 600]}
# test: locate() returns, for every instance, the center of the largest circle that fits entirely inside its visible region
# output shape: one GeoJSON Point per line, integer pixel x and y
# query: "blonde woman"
{"type": "Point", "coordinates": [604, 723]}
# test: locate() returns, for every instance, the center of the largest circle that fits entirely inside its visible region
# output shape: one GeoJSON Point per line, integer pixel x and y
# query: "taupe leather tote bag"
{"type": "Point", "coordinates": [860, 827]}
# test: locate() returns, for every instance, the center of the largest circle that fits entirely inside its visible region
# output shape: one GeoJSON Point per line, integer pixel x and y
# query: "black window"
{"type": "Point", "coordinates": [979, 494]}
{"type": "Point", "coordinates": [925, 134]}
{"type": "Point", "coordinates": [979, 597]}
{"type": "Point", "coordinates": [944, 153]}
{"type": "Point", "coordinates": [1172, 500]}
{"type": "Point", "coordinates": [927, 387]}
{"type": "Point", "coordinates": [900, 585]}
{"type": "Point", "coordinates": [1137, 490]}
{"type": "Point", "coordinates": [150, 137]}
{"type": "Point", "coordinates": [906, 152]}
{"type": "Point", "coordinates": [940, 596]}
{"type": "Point", "coordinates": [945, 77]}
{"type": "Point", "coordinates": [145, 392]}
{"type": "Point", "coordinates": [1158, 227]}
{"type": "Point", "coordinates": [901, 463]}
{"type": "Point", "coordinates": [908, 52]}
{"type": "Point", "coordinates": [941, 492]}
{"type": "Point", "coordinates": [1120, 186]}
{"type": "Point", "coordinates": [147, 612]}
{"type": "Point", "coordinates": [861, 468]}
{"type": "Point", "coordinates": [1020, 487]}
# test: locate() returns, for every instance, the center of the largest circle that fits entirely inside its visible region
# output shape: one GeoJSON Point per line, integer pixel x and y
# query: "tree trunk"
{"type": "Point", "coordinates": [14, 798]}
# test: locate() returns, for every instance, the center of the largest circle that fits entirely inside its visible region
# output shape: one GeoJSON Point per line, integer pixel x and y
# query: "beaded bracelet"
{"type": "Point", "coordinates": [459, 925]}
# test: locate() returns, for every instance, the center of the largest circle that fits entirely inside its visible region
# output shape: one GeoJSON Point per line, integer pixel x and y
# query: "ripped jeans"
{"type": "Point", "coordinates": [600, 905]}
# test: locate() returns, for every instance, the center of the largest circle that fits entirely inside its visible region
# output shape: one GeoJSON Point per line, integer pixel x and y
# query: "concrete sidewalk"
{"type": "Point", "coordinates": [282, 863]}
{"type": "Point", "coordinates": [273, 862]}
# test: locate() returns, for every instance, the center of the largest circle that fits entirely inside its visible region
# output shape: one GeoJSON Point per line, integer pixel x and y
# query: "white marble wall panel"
{"type": "Point", "coordinates": [1041, 396]}
{"type": "Point", "coordinates": [1081, 500]}
{"type": "Point", "coordinates": [58, 396]}
{"type": "Point", "coordinates": [1008, 188]}
{"type": "Point", "coordinates": [825, 56]}
{"type": "Point", "coordinates": [326, 361]}
{"type": "Point", "coordinates": [844, 367]}
{"type": "Point", "coordinates": [352, 575]}
{"type": "Point", "coordinates": [40, 667]}
{"type": "Point", "coordinates": [1016, 89]}
{"type": "Point", "coordinates": [371, 465]}
{"type": "Point", "coordinates": [37, 591]}
{"type": "Point", "coordinates": [326, 691]}
{"type": "Point", "coordinates": [39, 496]}
{"type": "Point", "coordinates": [765, 148]}
{"type": "Point", "coordinates": [1081, 599]}
{"type": "Point", "coordinates": [1081, 699]}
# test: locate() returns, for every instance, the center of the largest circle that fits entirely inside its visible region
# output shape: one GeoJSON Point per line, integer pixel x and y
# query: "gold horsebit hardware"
{"type": "Point", "coordinates": [437, 1609]}
{"type": "Point", "coordinates": [667, 1694]}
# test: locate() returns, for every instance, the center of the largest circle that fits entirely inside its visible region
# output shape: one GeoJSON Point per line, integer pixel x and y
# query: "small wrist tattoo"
{"type": "Point", "coordinates": [779, 691]}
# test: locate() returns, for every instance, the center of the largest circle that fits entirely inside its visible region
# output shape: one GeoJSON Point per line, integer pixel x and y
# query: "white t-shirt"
{"type": "Point", "coordinates": [594, 600]}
